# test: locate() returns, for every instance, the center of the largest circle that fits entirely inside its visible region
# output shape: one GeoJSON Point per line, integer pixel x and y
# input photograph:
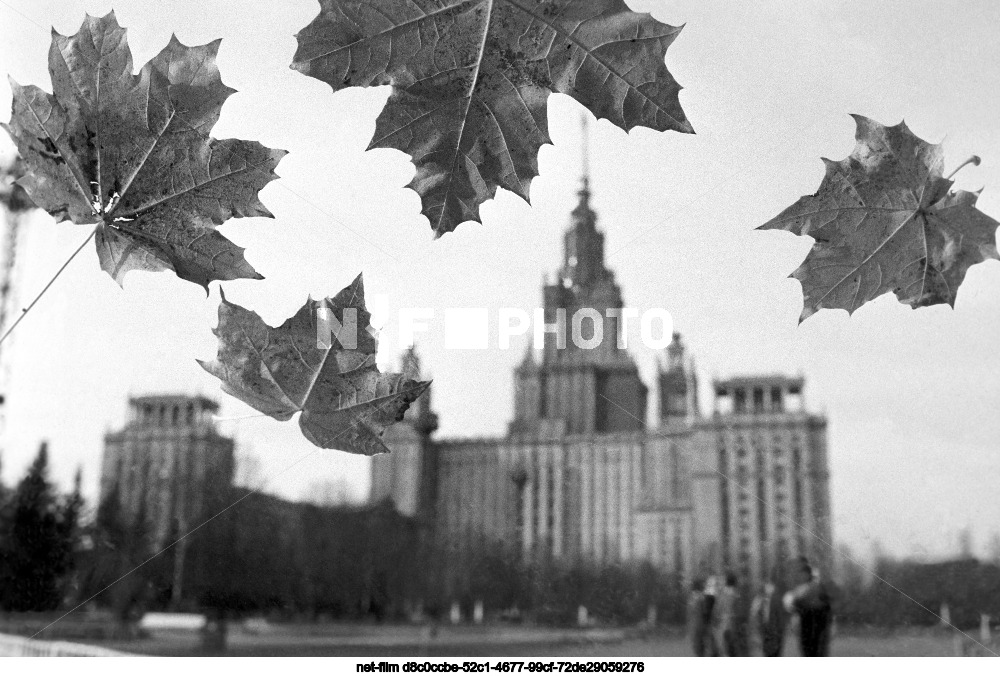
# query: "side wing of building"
{"type": "Point", "coordinates": [604, 499]}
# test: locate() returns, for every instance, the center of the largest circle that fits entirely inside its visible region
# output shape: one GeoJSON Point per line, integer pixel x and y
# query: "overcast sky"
{"type": "Point", "coordinates": [912, 396]}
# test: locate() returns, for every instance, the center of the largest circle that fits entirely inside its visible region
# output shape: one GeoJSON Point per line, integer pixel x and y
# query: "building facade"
{"type": "Point", "coordinates": [582, 475]}
{"type": "Point", "coordinates": [169, 466]}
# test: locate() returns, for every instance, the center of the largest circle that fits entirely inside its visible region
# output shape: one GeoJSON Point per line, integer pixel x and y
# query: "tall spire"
{"type": "Point", "coordinates": [583, 213]}
{"type": "Point", "coordinates": [584, 159]}
{"type": "Point", "coordinates": [583, 258]}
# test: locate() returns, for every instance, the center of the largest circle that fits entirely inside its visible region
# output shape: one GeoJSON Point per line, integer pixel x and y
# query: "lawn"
{"type": "Point", "coordinates": [401, 641]}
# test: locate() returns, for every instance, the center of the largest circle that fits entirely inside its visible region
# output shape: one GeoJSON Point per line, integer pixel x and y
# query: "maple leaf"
{"type": "Point", "coordinates": [884, 219]}
{"type": "Point", "coordinates": [471, 79]}
{"type": "Point", "coordinates": [132, 154]}
{"type": "Point", "coordinates": [344, 401]}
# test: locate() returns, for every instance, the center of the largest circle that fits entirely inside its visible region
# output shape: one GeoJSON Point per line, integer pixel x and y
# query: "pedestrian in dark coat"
{"type": "Point", "coordinates": [695, 617]}
{"type": "Point", "coordinates": [699, 616]}
{"type": "Point", "coordinates": [811, 601]}
{"type": "Point", "coordinates": [771, 619]}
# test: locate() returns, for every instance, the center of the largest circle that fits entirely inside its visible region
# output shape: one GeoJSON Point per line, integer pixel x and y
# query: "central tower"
{"type": "Point", "coordinates": [590, 385]}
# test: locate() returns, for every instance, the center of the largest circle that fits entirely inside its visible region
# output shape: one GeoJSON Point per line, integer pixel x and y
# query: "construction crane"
{"type": "Point", "coordinates": [16, 204]}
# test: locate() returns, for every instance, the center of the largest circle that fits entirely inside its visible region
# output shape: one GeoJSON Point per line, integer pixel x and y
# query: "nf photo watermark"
{"type": "Point", "coordinates": [478, 329]}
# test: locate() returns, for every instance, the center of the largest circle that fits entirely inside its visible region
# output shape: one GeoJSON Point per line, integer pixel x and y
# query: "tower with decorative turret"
{"type": "Point", "coordinates": [170, 464]}
{"type": "Point", "coordinates": [592, 385]}
{"type": "Point", "coordinates": [678, 386]}
{"type": "Point", "coordinates": [407, 476]}
{"type": "Point", "coordinates": [580, 477]}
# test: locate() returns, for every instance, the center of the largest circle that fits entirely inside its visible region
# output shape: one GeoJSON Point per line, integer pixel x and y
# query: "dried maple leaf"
{"type": "Point", "coordinates": [471, 79]}
{"type": "Point", "coordinates": [131, 153]}
{"type": "Point", "coordinates": [345, 402]}
{"type": "Point", "coordinates": [884, 219]}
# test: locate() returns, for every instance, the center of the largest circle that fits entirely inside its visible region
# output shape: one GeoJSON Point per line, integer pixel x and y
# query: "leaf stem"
{"type": "Point", "coordinates": [974, 160]}
{"type": "Point", "coordinates": [54, 277]}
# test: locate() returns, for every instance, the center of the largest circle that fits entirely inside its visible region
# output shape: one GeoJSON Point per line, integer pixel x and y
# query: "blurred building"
{"type": "Point", "coordinates": [763, 462]}
{"type": "Point", "coordinates": [583, 476]}
{"type": "Point", "coordinates": [169, 466]}
{"type": "Point", "coordinates": [168, 462]}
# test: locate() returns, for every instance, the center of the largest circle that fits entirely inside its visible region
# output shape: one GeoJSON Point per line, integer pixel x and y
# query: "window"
{"type": "Point", "coordinates": [740, 401]}
{"type": "Point", "coordinates": [797, 507]}
{"type": "Point", "coordinates": [678, 551]}
{"type": "Point", "coordinates": [724, 499]}
{"type": "Point", "coordinates": [603, 407]}
{"type": "Point", "coordinates": [520, 479]}
{"type": "Point", "coordinates": [550, 512]}
{"type": "Point", "coordinates": [543, 396]}
{"type": "Point", "coordinates": [777, 404]}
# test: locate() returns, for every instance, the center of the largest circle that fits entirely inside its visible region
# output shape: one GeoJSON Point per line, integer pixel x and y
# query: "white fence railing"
{"type": "Point", "coordinates": [19, 646]}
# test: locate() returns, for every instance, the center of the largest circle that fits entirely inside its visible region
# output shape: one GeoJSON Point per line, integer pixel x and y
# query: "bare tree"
{"type": "Point", "coordinates": [993, 549]}
{"type": "Point", "coordinates": [249, 471]}
{"type": "Point", "coordinates": [331, 493]}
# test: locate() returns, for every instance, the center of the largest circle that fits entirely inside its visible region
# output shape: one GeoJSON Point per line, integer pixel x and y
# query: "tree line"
{"type": "Point", "coordinates": [916, 593]}
{"type": "Point", "coordinates": [287, 560]}
{"type": "Point", "coordinates": [39, 540]}
{"type": "Point", "coordinates": [299, 561]}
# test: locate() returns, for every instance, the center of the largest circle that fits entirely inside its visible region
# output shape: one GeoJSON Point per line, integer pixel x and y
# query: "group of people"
{"type": "Point", "coordinates": [722, 618]}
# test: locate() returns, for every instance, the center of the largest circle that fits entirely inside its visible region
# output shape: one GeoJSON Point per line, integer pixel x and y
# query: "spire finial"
{"type": "Point", "coordinates": [585, 148]}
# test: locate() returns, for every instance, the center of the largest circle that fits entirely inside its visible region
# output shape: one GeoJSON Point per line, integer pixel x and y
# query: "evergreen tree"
{"type": "Point", "coordinates": [121, 544]}
{"type": "Point", "coordinates": [38, 542]}
{"type": "Point", "coordinates": [4, 558]}
{"type": "Point", "coordinates": [72, 534]}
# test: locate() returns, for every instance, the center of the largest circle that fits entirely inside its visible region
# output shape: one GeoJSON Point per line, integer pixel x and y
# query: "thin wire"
{"type": "Point", "coordinates": [338, 221]}
{"type": "Point", "coordinates": [660, 224]}
{"type": "Point", "coordinates": [79, 248]}
{"type": "Point", "coordinates": [190, 532]}
{"type": "Point", "coordinates": [248, 416]}
{"type": "Point", "coordinates": [208, 137]}
{"type": "Point", "coordinates": [21, 14]}
{"type": "Point", "coordinates": [354, 423]}
{"type": "Point", "coordinates": [769, 153]}
{"type": "Point", "coordinates": [248, 494]}
{"type": "Point", "coordinates": [41, 293]}
{"type": "Point", "coordinates": [829, 545]}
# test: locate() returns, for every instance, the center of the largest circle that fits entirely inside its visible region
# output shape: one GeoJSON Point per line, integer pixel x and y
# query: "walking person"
{"type": "Point", "coordinates": [699, 619]}
{"type": "Point", "coordinates": [731, 619]}
{"type": "Point", "coordinates": [811, 601]}
{"type": "Point", "coordinates": [711, 646]}
{"type": "Point", "coordinates": [770, 620]}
